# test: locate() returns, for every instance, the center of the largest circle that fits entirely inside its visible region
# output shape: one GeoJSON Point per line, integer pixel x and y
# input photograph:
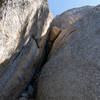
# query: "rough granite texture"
{"type": "Point", "coordinates": [69, 17]}
{"type": "Point", "coordinates": [23, 27]}
{"type": "Point", "coordinates": [73, 71]}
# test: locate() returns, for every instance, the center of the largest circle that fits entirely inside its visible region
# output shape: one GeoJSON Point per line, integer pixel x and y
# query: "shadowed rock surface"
{"type": "Point", "coordinates": [72, 71]}
{"type": "Point", "coordinates": [23, 28]}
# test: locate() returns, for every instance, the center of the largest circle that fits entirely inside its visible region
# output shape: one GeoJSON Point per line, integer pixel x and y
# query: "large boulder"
{"type": "Point", "coordinates": [69, 17]}
{"type": "Point", "coordinates": [72, 71]}
{"type": "Point", "coordinates": [23, 28]}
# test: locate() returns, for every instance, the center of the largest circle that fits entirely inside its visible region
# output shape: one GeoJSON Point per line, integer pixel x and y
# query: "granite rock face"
{"type": "Point", "coordinates": [70, 17]}
{"type": "Point", "coordinates": [23, 28]}
{"type": "Point", "coordinates": [72, 71]}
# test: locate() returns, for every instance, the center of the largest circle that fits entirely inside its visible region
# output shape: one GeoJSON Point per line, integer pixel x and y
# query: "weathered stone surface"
{"type": "Point", "coordinates": [73, 70]}
{"type": "Point", "coordinates": [59, 42]}
{"type": "Point", "coordinates": [70, 17]}
{"type": "Point", "coordinates": [23, 27]}
{"type": "Point", "coordinates": [54, 33]}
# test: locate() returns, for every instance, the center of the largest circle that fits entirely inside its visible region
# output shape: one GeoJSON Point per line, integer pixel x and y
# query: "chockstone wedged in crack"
{"type": "Point", "coordinates": [23, 28]}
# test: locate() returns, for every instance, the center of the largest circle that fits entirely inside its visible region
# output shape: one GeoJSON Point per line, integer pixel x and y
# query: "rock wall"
{"type": "Point", "coordinates": [68, 45]}
{"type": "Point", "coordinates": [72, 71]}
{"type": "Point", "coordinates": [23, 28]}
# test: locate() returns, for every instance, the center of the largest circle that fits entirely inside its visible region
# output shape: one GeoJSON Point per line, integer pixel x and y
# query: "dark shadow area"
{"type": "Point", "coordinates": [1, 2]}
